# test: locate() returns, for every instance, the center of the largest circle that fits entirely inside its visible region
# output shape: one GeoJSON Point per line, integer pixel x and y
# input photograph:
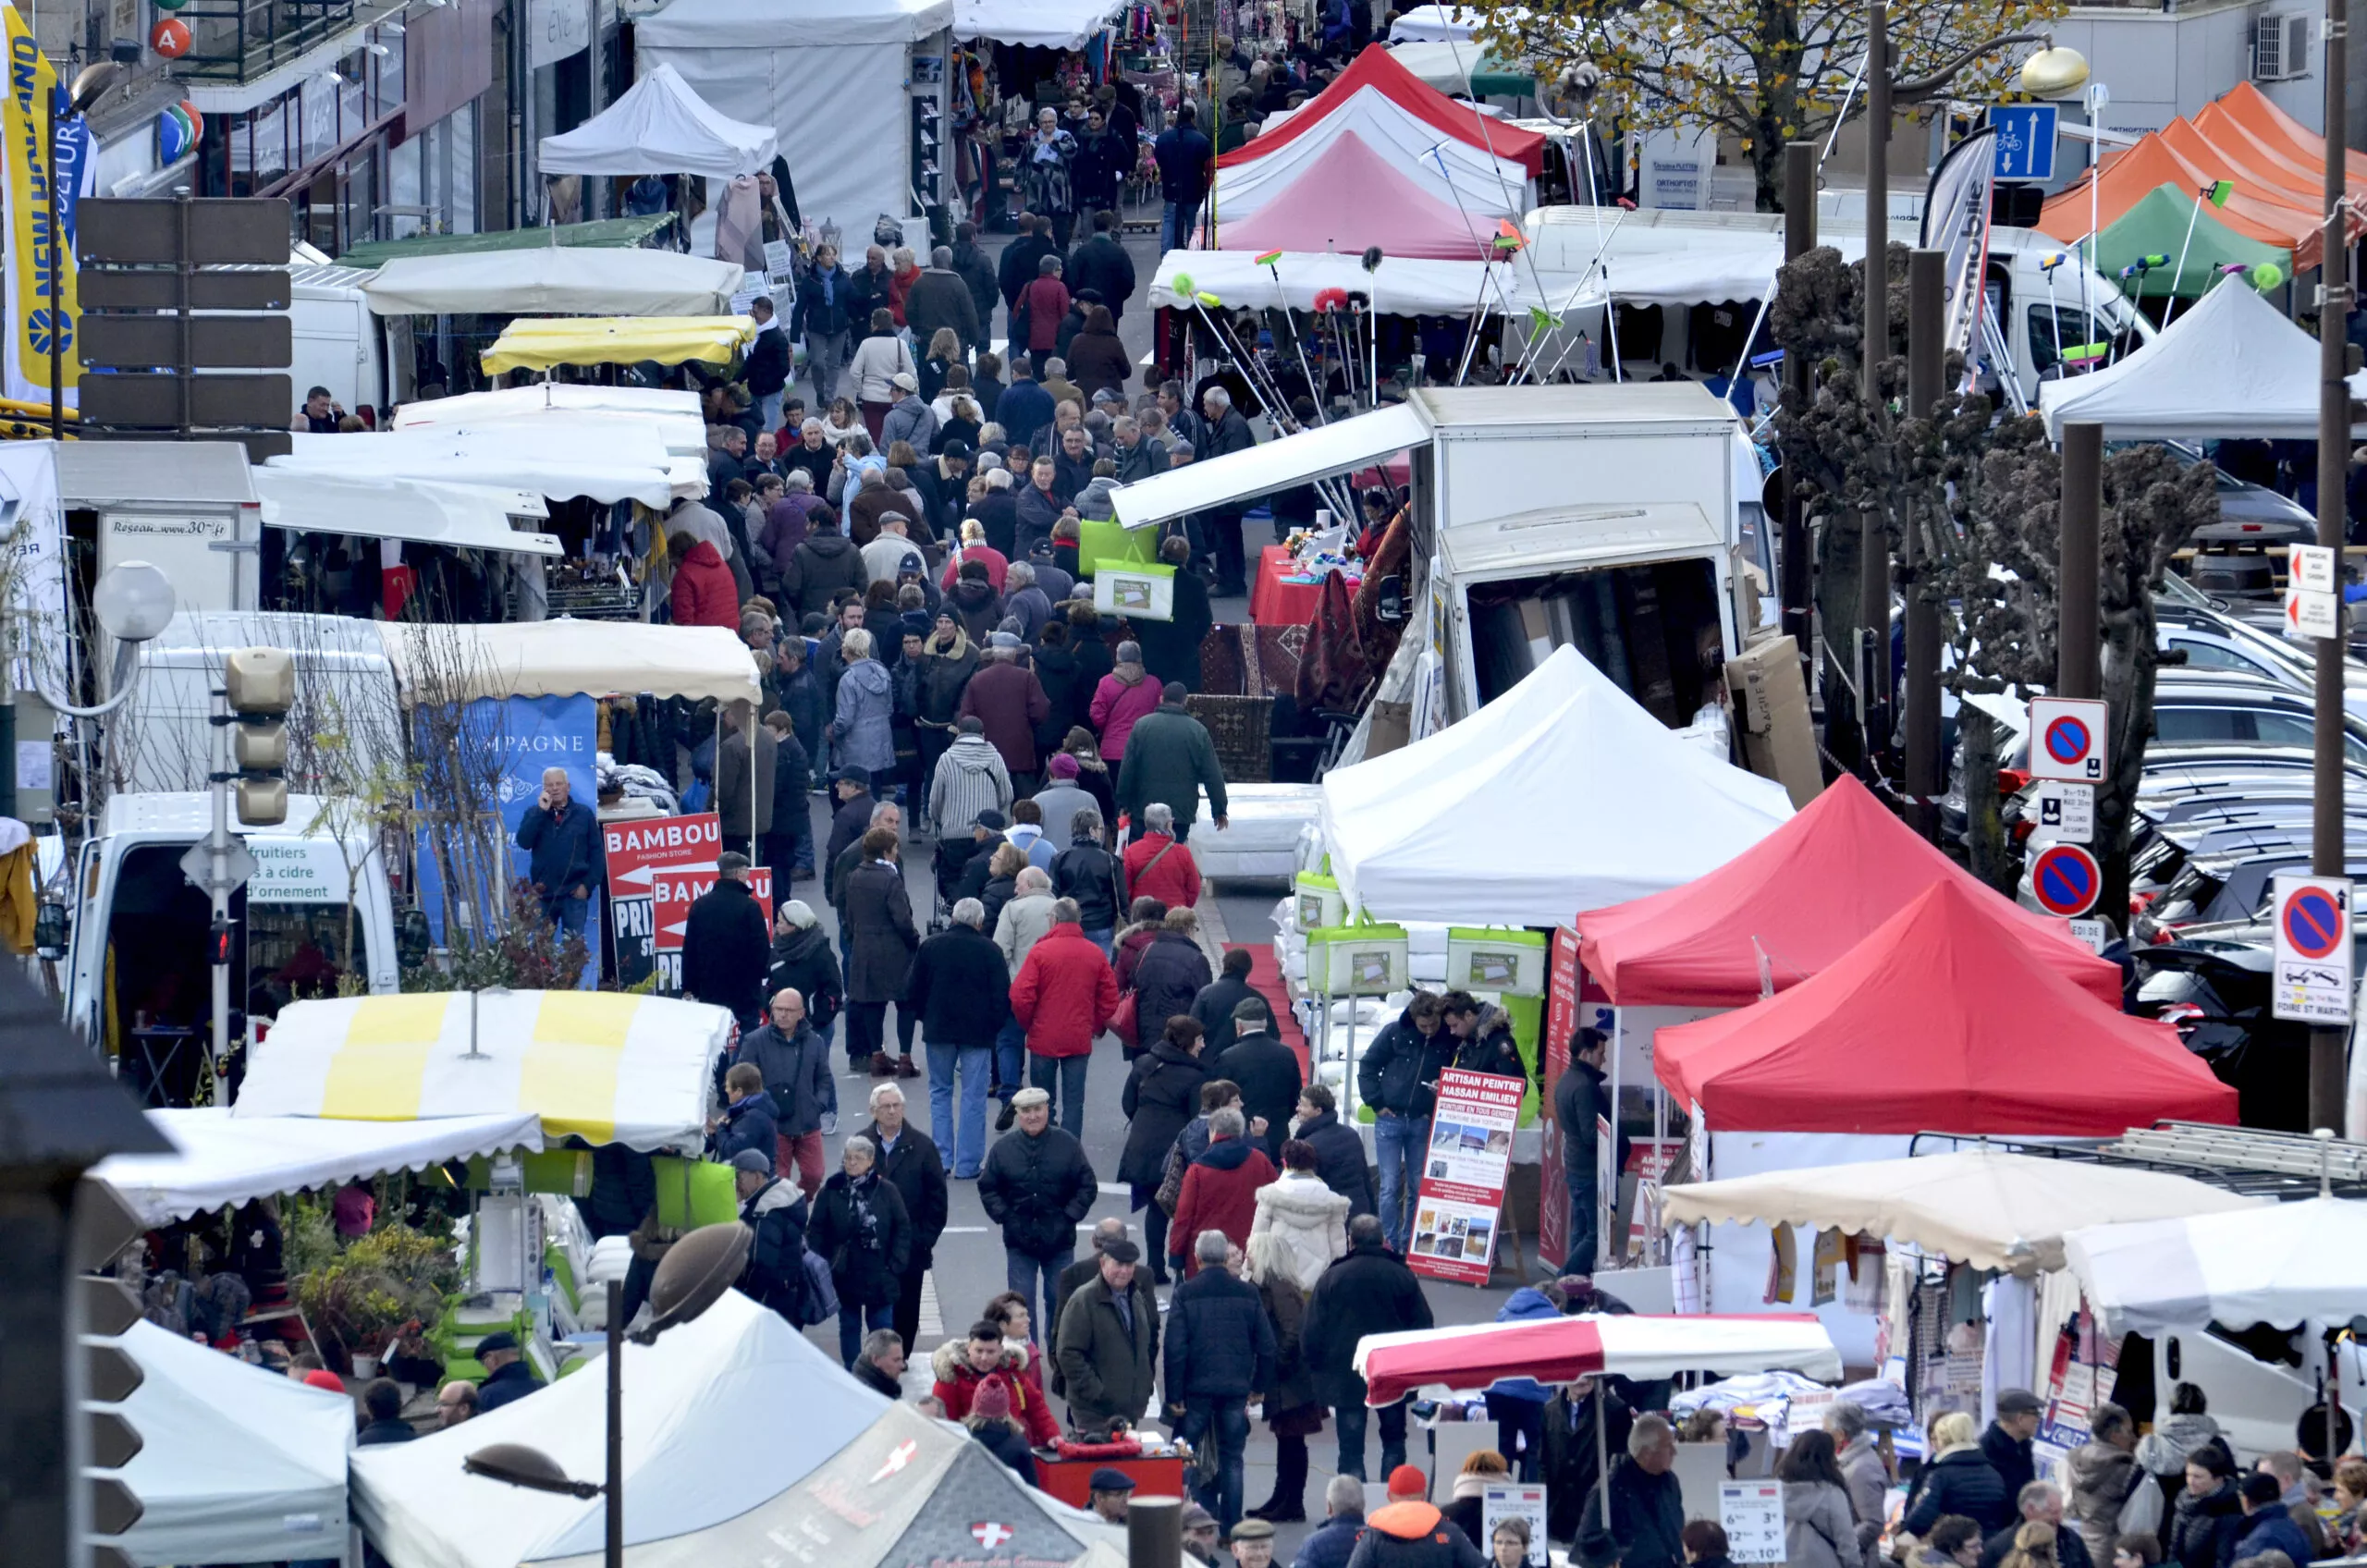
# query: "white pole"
{"type": "Point", "coordinates": [2176, 278]}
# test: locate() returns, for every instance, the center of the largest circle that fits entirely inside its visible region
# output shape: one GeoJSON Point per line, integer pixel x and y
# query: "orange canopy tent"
{"type": "Point", "coordinates": [2248, 165]}
{"type": "Point", "coordinates": [2261, 147]}
{"type": "Point", "coordinates": [2263, 216]}
{"type": "Point", "coordinates": [2249, 107]}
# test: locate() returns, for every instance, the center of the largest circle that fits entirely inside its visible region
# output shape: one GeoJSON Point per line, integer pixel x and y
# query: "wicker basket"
{"type": "Point", "coordinates": [1242, 728]}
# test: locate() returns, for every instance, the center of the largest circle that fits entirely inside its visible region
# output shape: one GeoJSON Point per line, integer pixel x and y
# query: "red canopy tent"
{"type": "Point", "coordinates": [1806, 894]}
{"type": "Point", "coordinates": [1563, 1350]}
{"type": "Point", "coordinates": [1943, 1020]}
{"type": "Point", "coordinates": [1376, 69]}
{"type": "Point", "coordinates": [1349, 198]}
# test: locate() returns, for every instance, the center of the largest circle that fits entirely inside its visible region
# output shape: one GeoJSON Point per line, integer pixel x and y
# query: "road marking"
{"type": "Point", "coordinates": [964, 1230]}
{"type": "Point", "coordinates": [932, 1323]}
{"type": "Point", "coordinates": [1116, 1190]}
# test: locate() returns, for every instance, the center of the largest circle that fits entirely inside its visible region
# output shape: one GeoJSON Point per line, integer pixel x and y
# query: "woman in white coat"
{"type": "Point", "coordinates": [1301, 1226]}
{"type": "Point", "coordinates": [873, 369]}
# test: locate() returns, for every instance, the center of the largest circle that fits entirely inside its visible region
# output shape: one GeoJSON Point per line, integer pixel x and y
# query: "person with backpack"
{"type": "Point", "coordinates": [861, 1225]}
{"type": "Point", "coordinates": [775, 1275]}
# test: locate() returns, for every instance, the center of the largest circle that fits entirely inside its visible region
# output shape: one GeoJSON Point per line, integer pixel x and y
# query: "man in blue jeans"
{"type": "Point", "coordinates": [1183, 154]}
{"type": "Point", "coordinates": [1580, 1100]}
{"type": "Point", "coordinates": [1038, 1185]}
{"type": "Point", "coordinates": [1219, 1349]}
{"type": "Point", "coordinates": [1398, 1077]}
{"type": "Point", "coordinates": [960, 987]}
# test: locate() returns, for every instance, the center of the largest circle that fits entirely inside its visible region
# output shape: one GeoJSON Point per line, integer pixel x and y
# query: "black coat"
{"type": "Point", "coordinates": [1163, 1093]}
{"type": "Point", "coordinates": [960, 986]}
{"type": "Point", "coordinates": [726, 950]}
{"type": "Point", "coordinates": [1400, 1070]}
{"type": "Point", "coordinates": [866, 1259]}
{"type": "Point", "coordinates": [881, 940]}
{"type": "Point", "coordinates": [1220, 1343]}
{"type": "Point", "coordinates": [1008, 1444]}
{"type": "Point", "coordinates": [1213, 1006]}
{"type": "Point", "coordinates": [849, 822]}
{"type": "Point", "coordinates": [1962, 1481]}
{"type": "Point", "coordinates": [2203, 1531]}
{"type": "Point", "coordinates": [792, 789]}
{"type": "Point", "coordinates": [1171, 647]}
{"type": "Point", "coordinates": [807, 962]}
{"type": "Point", "coordinates": [1101, 264]}
{"type": "Point", "coordinates": [1036, 1189]}
{"type": "Point", "coordinates": [2070, 1550]}
{"type": "Point", "coordinates": [916, 1171]}
{"type": "Point", "coordinates": [1267, 1072]}
{"type": "Point", "coordinates": [2011, 1458]}
{"type": "Point", "coordinates": [1172, 973]}
{"type": "Point", "coordinates": [1646, 1516]}
{"type": "Point", "coordinates": [1088, 874]}
{"type": "Point", "coordinates": [1340, 1160]}
{"type": "Point", "coordinates": [767, 364]}
{"type": "Point", "coordinates": [1368, 1292]}
{"type": "Point", "coordinates": [1566, 1458]}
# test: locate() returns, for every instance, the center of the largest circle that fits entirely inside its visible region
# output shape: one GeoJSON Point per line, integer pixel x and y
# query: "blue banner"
{"type": "Point", "coordinates": [531, 734]}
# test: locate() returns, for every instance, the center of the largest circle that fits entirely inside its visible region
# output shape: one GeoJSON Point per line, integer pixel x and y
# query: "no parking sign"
{"type": "Point", "coordinates": [2068, 739]}
{"type": "Point", "coordinates": [2064, 880]}
{"type": "Point", "coordinates": [2314, 971]}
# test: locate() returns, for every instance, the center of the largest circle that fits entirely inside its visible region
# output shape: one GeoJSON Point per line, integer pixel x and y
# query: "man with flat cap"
{"type": "Point", "coordinates": [1111, 1491]}
{"type": "Point", "coordinates": [1108, 1342]}
{"type": "Point", "coordinates": [508, 1378]}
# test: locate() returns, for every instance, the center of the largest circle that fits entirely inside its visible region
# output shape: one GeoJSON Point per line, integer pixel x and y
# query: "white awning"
{"type": "Point", "coordinates": [221, 1161]}
{"type": "Point", "coordinates": [680, 424]}
{"type": "Point", "coordinates": [580, 280]}
{"type": "Point", "coordinates": [1042, 24]}
{"type": "Point", "coordinates": [1275, 465]}
{"type": "Point", "coordinates": [660, 126]}
{"type": "Point", "coordinates": [2295, 1262]}
{"type": "Point", "coordinates": [1405, 285]}
{"type": "Point", "coordinates": [756, 28]}
{"type": "Point", "coordinates": [474, 517]}
{"type": "Point", "coordinates": [559, 461]}
{"type": "Point", "coordinates": [546, 658]}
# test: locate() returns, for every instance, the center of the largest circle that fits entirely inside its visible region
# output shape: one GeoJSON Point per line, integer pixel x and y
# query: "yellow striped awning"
{"type": "Point", "coordinates": [541, 342]}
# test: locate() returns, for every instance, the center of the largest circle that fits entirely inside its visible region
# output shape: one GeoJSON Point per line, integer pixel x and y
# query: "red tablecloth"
{"type": "Point", "coordinates": [1069, 1479]}
{"type": "Point", "coordinates": [1273, 602]}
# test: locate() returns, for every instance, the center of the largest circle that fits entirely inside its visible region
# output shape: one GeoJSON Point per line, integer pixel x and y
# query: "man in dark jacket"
{"type": "Point", "coordinates": [1025, 412]}
{"type": "Point", "coordinates": [960, 987]}
{"type": "Point", "coordinates": [1009, 701]}
{"type": "Point", "coordinates": [725, 947]}
{"type": "Point", "coordinates": [877, 915]}
{"type": "Point", "coordinates": [1220, 1351]}
{"type": "Point", "coordinates": [1227, 432]}
{"type": "Point", "coordinates": [788, 839]}
{"type": "Point", "coordinates": [1266, 1069]}
{"type": "Point", "coordinates": [1106, 1344]}
{"type": "Point", "coordinates": [1329, 1544]}
{"type": "Point", "coordinates": [1368, 1292]}
{"type": "Point", "coordinates": [1078, 1275]}
{"type": "Point", "coordinates": [1568, 1451]}
{"type": "Point", "coordinates": [384, 1404]}
{"type": "Point", "coordinates": [1087, 873]}
{"type": "Point", "coordinates": [909, 1162]}
{"type": "Point", "coordinates": [2040, 1504]}
{"type": "Point", "coordinates": [1170, 759]}
{"type": "Point", "coordinates": [767, 364]}
{"type": "Point", "coordinates": [561, 838]}
{"type": "Point", "coordinates": [1398, 1076]}
{"type": "Point", "coordinates": [976, 272]}
{"type": "Point", "coordinates": [1212, 1009]}
{"type": "Point", "coordinates": [851, 818]}
{"type": "Point", "coordinates": [1171, 647]}
{"type": "Point", "coordinates": [939, 298]}
{"type": "Point", "coordinates": [1036, 1184]}
{"type": "Point", "coordinates": [772, 1209]}
{"type": "Point", "coordinates": [2008, 1440]}
{"type": "Point", "coordinates": [1339, 1153]}
{"type": "Point", "coordinates": [1101, 264]}
{"type": "Point", "coordinates": [743, 780]}
{"type": "Point", "coordinates": [1022, 262]}
{"type": "Point", "coordinates": [508, 1378]}
{"type": "Point", "coordinates": [1578, 1099]}
{"type": "Point", "coordinates": [795, 1062]}
{"type": "Point", "coordinates": [1183, 154]}
{"type": "Point", "coordinates": [805, 963]}
{"type": "Point", "coordinates": [1646, 1505]}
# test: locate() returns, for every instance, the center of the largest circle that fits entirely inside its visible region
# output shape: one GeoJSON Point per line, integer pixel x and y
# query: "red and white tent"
{"type": "Point", "coordinates": [1349, 197]}
{"type": "Point", "coordinates": [1465, 160]}
{"type": "Point", "coordinates": [1561, 1349]}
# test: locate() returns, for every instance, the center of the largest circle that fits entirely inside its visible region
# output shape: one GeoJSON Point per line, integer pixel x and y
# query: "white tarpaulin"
{"type": "Point", "coordinates": [1986, 1208]}
{"type": "Point", "coordinates": [561, 657]}
{"type": "Point", "coordinates": [1298, 459]}
{"type": "Point", "coordinates": [573, 280]}
{"type": "Point", "coordinates": [1418, 834]}
{"type": "Point", "coordinates": [236, 1464]}
{"type": "Point", "coordinates": [604, 1066]}
{"type": "Point", "coordinates": [1434, 24]}
{"type": "Point", "coordinates": [221, 1161]}
{"type": "Point", "coordinates": [2231, 366]}
{"type": "Point", "coordinates": [1042, 24]}
{"type": "Point", "coordinates": [611, 463]}
{"type": "Point", "coordinates": [661, 127]}
{"type": "Point", "coordinates": [2290, 1263]}
{"type": "Point", "coordinates": [722, 1414]}
{"type": "Point", "coordinates": [474, 517]}
{"type": "Point", "coordinates": [1404, 286]}
{"type": "Point", "coordinates": [680, 424]}
{"type": "Point", "coordinates": [1454, 171]}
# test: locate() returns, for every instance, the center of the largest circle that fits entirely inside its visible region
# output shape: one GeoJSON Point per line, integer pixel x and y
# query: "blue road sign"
{"type": "Point", "coordinates": [2025, 140]}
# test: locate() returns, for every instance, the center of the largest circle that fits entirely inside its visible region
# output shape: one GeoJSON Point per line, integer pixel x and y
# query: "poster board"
{"type": "Point", "coordinates": [638, 851]}
{"type": "Point", "coordinates": [1462, 1194]}
{"type": "Point", "coordinates": [1498, 1504]}
{"type": "Point", "coordinates": [1752, 1515]}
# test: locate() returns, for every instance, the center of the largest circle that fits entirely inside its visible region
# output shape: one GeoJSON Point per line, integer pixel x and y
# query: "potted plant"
{"type": "Point", "coordinates": [357, 1304]}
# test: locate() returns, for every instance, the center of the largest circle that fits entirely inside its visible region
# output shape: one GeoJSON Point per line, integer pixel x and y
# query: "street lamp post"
{"type": "Point", "coordinates": [92, 80]}
{"type": "Point", "coordinates": [692, 1277]}
{"type": "Point", "coordinates": [2335, 296]}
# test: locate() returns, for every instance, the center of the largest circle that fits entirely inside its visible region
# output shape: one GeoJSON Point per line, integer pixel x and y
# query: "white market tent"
{"type": "Point", "coordinates": [827, 77]}
{"type": "Point", "coordinates": [560, 658]}
{"type": "Point", "coordinates": [661, 127]}
{"type": "Point", "coordinates": [420, 510]}
{"type": "Point", "coordinates": [579, 281]}
{"type": "Point", "coordinates": [2295, 1262]}
{"type": "Point", "coordinates": [220, 1160]}
{"type": "Point", "coordinates": [236, 1464]}
{"type": "Point", "coordinates": [722, 1414]}
{"type": "Point", "coordinates": [1450, 170]}
{"type": "Point", "coordinates": [1987, 1208]}
{"type": "Point", "coordinates": [1402, 286]}
{"type": "Point", "coordinates": [680, 424]}
{"type": "Point", "coordinates": [1043, 24]}
{"type": "Point", "coordinates": [1434, 24]}
{"type": "Point", "coordinates": [606, 464]}
{"type": "Point", "coordinates": [1418, 833]}
{"type": "Point", "coordinates": [606, 1067]}
{"type": "Point", "coordinates": [2233, 366]}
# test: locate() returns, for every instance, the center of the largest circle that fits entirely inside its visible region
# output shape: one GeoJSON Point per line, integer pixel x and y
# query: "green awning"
{"type": "Point", "coordinates": [2156, 226]}
{"type": "Point", "coordinates": [606, 233]}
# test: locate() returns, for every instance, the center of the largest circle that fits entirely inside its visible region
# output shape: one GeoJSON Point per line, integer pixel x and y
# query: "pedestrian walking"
{"type": "Point", "coordinates": [746, 1119]}
{"type": "Point", "coordinates": [862, 732]}
{"type": "Point", "coordinates": [1219, 1189]}
{"type": "Point", "coordinates": [1398, 1076]}
{"type": "Point", "coordinates": [970, 777]}
{"type": "Point", "coordinates": [1158, 867]}
{"type": "Point", "coordinates": [1169, 972]}
{"type": "Point", "coordinates": [1145, 917]}
{"type": "Point", "coordinates": [1009, 702]}
{"type": "Point", "coordinates": [1820, 1527]}
{"type": "Point", "coordinates": [1572, 1445]}
{"type": "Point", "coordinates": [822, 316]}
{"type": "Point", "coordinates": [1185, 155]}
{"type": "Point", "coordinates": [1037, 1184]}
{"type": "Point", "coordinates": [960, 987]}
{"type": "Point", "coordinates": [775, 1215]}
{"type": "Point", "coordinates": [1301, 1229]}
{"type": "Point", "coordinates": [1959, 1479]}
{"type": "Point", "coordinates": [910, 1162]}
{"type": "Point", "coordinates": [1220, 1351]}
{"type": "Point", "coordinates": [1107, 1345]}
{"type": "Point", "coordinates": [1120, 700]}
{"type": "Point", "coordinates": [745, 759]}
{"type": "Point", "coordinates": [2208, 1517]}
{"type": "Point", "coordinates": [804, 963]}
{"type": "Point", "coordinates": [1267, 1071]}
{"type": "Point", "coordinates": [1063, 996]}
{"type": "Point", "coordinates": [1086, 873]}
{"type": "Point", "coordinates": [1213, 1006]}
{"type": "Point", "coordinates": [792, 1063]}
{"type": "Point", "coordinates": [1161, 1096]}
{"type": "Point", "coordinates": [1171, 760]}
{"type": "Point", "coordinates": [2107, 1493]}
{"type": "Point", "coordinates": [878, 920]}
{"type": "Point", "coordinates": [1863, 1469]}
{"type": "Point", "coordinates": [1368, 1292]}
{"type": "Point", "coordinates": [860, 1226]}
{"type": "Point", "coordinates": [788, 839]}
{"type": "Point", "coordinates": [561, 838]}
{"type": "Point", "coordinates": [1339, 1153]}
{"type": "Point", "coordinates": [726, 950]}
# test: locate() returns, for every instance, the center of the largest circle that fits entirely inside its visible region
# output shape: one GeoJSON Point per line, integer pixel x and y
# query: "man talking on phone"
{"type": "Point", "coordinates": [561, 837]}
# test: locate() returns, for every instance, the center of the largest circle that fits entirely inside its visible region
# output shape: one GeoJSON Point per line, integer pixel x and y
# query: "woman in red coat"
{"type": "Point", "coordinates": [1219, 1191]}
{"type": "Point", "coordinates": [703, 593]}
{"type": "Point", "coordinates": [1063, 996]}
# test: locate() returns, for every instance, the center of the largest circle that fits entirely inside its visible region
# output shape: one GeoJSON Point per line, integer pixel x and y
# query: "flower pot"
{"type": "Point", "coordinates": [365, 1366]}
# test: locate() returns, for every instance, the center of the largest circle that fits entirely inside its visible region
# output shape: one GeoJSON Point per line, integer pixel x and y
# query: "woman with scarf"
{"type": "Point", "coordinates": [820, 317]}
{"type": "Point", "coordinates": [860, 1227]}
{"type": "Point", "coordinates": [1092, 773]}
{"type": "Point", "coordinates": [948, 660]}
{"type": "Point", "coordinates": [1047, 168]}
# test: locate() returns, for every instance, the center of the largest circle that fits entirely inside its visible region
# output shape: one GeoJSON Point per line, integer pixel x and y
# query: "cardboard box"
{"type": "Point", "coordinates": [1772, 715]}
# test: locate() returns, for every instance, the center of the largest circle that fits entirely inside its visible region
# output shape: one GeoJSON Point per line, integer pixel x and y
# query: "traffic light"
{"type": "Point", "coordinates": [107, 1376]}
{"type": "Point", "coordinates": [260, 684]}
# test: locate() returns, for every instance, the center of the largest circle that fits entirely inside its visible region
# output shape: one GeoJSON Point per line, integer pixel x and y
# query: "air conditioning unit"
{"type": "Point", "coordinates": [2280, 47]}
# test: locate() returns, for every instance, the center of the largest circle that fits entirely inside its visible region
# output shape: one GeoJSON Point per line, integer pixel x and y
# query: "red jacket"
{"type": "Point", "coordinates": [1219, 1194]}
{"type": "Point", "coordinates": [1022, 1372]}
{"type": "Point", "coordinates": [1046, 301]}
{"type": "Point", "coordinates": [1066, 994]}
{"type": "Point", "coordinates": [899, 284]}
{"type": "Point", "coordinates": [1010, 701]}
{"type": "Point", "coordinates": [704, 594]}
{"type": "Point", "coordinates": [1174, 881]}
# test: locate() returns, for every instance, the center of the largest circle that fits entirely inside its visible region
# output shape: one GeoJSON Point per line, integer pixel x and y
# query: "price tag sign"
{"type": "Point", "coordinates": [1752, 1514]}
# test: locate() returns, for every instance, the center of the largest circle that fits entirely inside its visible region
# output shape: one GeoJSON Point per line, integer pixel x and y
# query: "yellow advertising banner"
{"type": "Point", "coordinates": [40, 292]}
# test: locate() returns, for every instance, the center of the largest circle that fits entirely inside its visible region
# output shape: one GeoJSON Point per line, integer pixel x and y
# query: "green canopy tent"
{"type": "Point", "coordinates": [1463, 67]}
{"type": "Point", "coordinates": [610, 233]}
{"type": "Point", "coordinates": [2156, 226]}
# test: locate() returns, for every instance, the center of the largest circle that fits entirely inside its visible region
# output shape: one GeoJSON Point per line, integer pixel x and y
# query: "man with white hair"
{"type": "Point", "coordinates": [886, 557]}
{"type": "Point", "coordinates": [1158, 865]}
{"type": "Point", "coordinates": [1647, 1504]}
{"type": "Point", "coordinates": [960, 987]}
{"type": "Point", "coordinates": [1227, 432]}
{"type": "Point", "coordinates": [561, 838]}
{"type": "Point", "coordinates": [1023, 598]}
{"type": "Point", "coordinates": [1329, 1544]}
{"type": "Point", "coordinates": [909, 1162]}
{"type": "Point", "coordinates": [1026, 917]}
{"type": "Point", "coordinates": [1220, 1351]}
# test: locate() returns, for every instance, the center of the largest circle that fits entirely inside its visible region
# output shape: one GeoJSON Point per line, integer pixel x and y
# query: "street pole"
{"type": "Point", "coordinates": [56, 285]}
{"type": "Point", "coordinates": [2079, 647]}
{"type": "Point", "coordinates": [1874, 564]}
{"type": "Point", "coordinates": [1155, 1532]}
{"type": "Point", "coordinates": [614, 1555]}
{"type": "Point", "coordinates": [219, 882]}
{"type": "Point", "coordinates": [1799, 238]}
{"type": "Point", "coordinates": [2327, 858]}
{"type": "Point", "coordinates": [1925, 298]}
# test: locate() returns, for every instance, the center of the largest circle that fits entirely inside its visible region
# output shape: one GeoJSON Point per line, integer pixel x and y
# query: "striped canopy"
{"type": "Point", "coordinates": [1561, 1349]}
{"type": "Point", "coordinates": [604, 1066]}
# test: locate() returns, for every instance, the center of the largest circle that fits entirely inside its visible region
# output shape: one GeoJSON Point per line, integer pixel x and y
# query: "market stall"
{"type": "Point", "coordinates": [2291, 1264]}
{"type": "Point", "coordinates": [1462, 67]}
{"type": "Point", "coordinates": [679, 422]}
{"type": "Point", "coordinates": [560, 658]}
{"type": "Point", "coordinates": [555, 281]}
{"type": "Point", "coordinates": [236, 1464]}
{"type": "Point", "coordinates": [1562, 1350]}
{"type": "Point", "coordinates": [1034, 24]}
{"type": "Point", "coordinates": [546, 342]}
{"type": "Point", "coordinates": [1346, 196]}
{"type": "Point", "coordinates": [660, 126]}
{"type": "Point", "coordinates": [559, 461]}
{"type": "Point", "coordinates": [1409, 286]}
{"type": "Point", "coordinates": [419, 511]}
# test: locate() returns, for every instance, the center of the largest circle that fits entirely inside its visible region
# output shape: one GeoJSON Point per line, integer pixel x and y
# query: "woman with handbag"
{"type": "Point", "coordinates": [1819, 1530]}
{"type": "Point", "coordinates": [860, 1225]}
{"type": "Point", "coordinates": [1161, 1095]}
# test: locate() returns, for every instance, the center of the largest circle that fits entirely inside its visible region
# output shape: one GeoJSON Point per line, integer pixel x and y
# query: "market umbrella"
{"type": "Point", "coordinates": [2289, 1263]}
{"type": "Point", "coordinates": [1562, 1350]}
